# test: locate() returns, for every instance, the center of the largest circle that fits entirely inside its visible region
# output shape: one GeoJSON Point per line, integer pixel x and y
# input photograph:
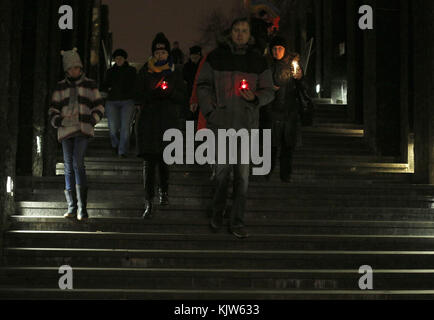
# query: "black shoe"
{"type": "Point", "coordinates": [123, 156]}
{"type": "Point", "coordinates": [82, 203]}
{"type": "Point", "coordinates": [71, 200]}
{"type": "Point", "coordinates": [115, 151]}
{"type": "Point", "coordinates": [164, 198]}
{"type": "Point", "coordinates": [147, 213]}
{"type": "Point", "coordinates": [240, 233]}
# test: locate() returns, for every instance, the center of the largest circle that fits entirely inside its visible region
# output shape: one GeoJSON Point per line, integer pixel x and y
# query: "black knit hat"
{"type": "Point", "coordinates": [120, 53]}
{"type": "Point", "coordinates": [196, 50]}
{"type": "Point", "coordinates": [161, 39]}
{"type": "Point", "coordinates": [278, 41]}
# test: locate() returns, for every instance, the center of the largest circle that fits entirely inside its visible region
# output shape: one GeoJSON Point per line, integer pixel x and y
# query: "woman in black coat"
{"type": "Point", "coordinates": [160, 91]}
{"type": "Point", "coordinates": [282, 115]}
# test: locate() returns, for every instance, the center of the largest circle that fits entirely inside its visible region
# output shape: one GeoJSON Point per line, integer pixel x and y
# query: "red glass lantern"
{"type": "Point", "coordinates": [164, 85]}
{"type": "Point", "coordinates": [244, 85]}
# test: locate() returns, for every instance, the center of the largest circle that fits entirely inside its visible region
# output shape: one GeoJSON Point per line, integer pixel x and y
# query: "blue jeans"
{"type": "Point", "coordinates": [120, 115]}
{"type": "Point", "coordinates": [74, 150]}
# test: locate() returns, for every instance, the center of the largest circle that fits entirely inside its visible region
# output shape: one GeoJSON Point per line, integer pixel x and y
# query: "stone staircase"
{"type": "Point", "coordinates": [344, 209]}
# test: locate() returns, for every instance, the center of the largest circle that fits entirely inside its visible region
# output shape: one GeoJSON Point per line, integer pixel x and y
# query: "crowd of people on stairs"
{"type": "Point", "coordinates": [206, 89]}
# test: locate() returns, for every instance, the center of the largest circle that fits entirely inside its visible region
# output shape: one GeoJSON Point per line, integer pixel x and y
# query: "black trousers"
{"type": "Point", "coordinates": [285, 159]}
{"type": "Point", "coordinates": [240, 187]}
{"type": "Point", "coordinates": [150, 168]}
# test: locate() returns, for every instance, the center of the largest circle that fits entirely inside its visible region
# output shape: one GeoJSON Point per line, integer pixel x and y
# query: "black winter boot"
{"type": "Point", "coordinates": [82, 203]}
{"type": "Point", "coordinates": [147, 213]}
{"type": "Point", "coordinates": [71, 200]}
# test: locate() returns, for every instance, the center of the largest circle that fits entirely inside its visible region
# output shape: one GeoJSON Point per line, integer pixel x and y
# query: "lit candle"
{"type": "Point", "coordinates": [295, 66]}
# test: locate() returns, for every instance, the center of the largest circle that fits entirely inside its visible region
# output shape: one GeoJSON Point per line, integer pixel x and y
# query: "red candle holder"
{"type": "Point", "coordinates": [244, 85]}
{"type": "Point", "coordinates": [164, 85]}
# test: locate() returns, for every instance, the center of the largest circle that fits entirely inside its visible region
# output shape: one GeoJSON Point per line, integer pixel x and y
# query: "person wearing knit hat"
{"type": "Point", "coordinates": [120, 53]}
{"type": "Point", "coordinates": [177, 54]}
{"type": "Point", "coordinates": [278, 41]}
{"type": "Point", "coordinates": [76, 107]}
{"type": "Point", "coordinates": [119, 88]}
{"type": "Point", "coordinates": [189, 72]}
{"type": "Point", "coordinates": [196, 50]}
{"type": "Point", "coordinates": [71, 59]}
{"type": "Point", "coordinates": [161, 93]}
{"type": "Point", "coordinates": [282, 115]}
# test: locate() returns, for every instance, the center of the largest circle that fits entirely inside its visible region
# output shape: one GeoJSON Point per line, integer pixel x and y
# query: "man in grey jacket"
{"type": "Point", "coordinates": [233, 84]}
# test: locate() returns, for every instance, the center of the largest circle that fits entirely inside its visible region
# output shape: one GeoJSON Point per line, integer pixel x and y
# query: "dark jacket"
{"type": "Point", "coordinates": [159, 110]}
{"type": "Point", "coordinates": [219, 82]}
{"type": "Point", "coordinates": [120, 82]}
{"type": "Point", "coordinates": [260, 33]}
{"type": "Point", "coordinates": [282, 115]}
{"type": "Point", "coordinates": [178, 56]}
{"type": "Point", "coordinates": [189, 72]}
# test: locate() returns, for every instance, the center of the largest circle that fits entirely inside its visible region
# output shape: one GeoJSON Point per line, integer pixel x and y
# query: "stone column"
{"type": "Point", "coordinates": [370, 82]}
{"type": "Point", "coordinates": [354, 64]}
{"type": "Point", "coordinates": [318, 41]}
{"type": "Point", "coordinates": [423, 33]}
{"type": "Point", "coordinates": [327, 27]}
{"type": "Point", "coordinates": [404, 81]}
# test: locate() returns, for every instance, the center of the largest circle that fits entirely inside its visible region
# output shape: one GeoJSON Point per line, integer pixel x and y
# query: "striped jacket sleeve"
{"type": "Point", "coordinates": [54, 114]}
{"type": "Point", "coordinates": [97, 111]}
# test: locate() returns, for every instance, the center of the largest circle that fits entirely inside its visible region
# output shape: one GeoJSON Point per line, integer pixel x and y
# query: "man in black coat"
{"type": "Point", "coordinates": [282, 115]}
{"type": "Point", "coordinates": [227, 104]}
{"type": "Point", "coordinates": [189, 72]}
{"type": "Point", "coordinates": [118, 87]}
{"type": "Point", "coordinates": [177, 54]}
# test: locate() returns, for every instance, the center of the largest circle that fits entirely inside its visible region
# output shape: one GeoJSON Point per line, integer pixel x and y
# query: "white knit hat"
{"type": "Point", "coordinates": [71, 59]}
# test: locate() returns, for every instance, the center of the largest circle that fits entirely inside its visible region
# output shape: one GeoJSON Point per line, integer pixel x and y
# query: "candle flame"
{"type": "Point", "coordinates": [295, 65]}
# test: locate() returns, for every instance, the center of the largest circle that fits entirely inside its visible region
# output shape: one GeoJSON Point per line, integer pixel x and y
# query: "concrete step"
{"type": "Point", "coordinates": [300, 172]}
{"type": "Point", "coordinates": [201, 200]}
{"type": "Point", "coordinates": [191, 213]}
{"type": "Point", "coordinates": [298, 163]}
{"type": "Point", "coordinates": [298, 157]}
{"type": "Point", "coordinates": [280, 195]}
{"type": "Point", "coordinates": [269, 239]}
{"type": "Point", "coordinates": [217, 279]}
{"type": "Point", "coordinates": [173, 294]}
{"type": "Point", "coordinates": [169, 221]}
{"type": "Point", "coordinates": [368, 181]}
{"type": "Point", "coordinates": [30, 186]}
{"type": "Point", "coordinates": [204, 258]}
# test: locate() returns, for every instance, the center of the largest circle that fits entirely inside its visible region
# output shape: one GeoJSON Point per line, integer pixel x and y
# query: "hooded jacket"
{"type": "Point", "coordinates": [218, 86]}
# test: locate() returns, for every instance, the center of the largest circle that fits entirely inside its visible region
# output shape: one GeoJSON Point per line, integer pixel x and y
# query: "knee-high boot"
{"type": "Point", "coordinates": [148, 182]}
{"type": "Point", "coordinates": [82, 202]}
{"type": "Point", "coordinates": [164, 183]}
{"type": "Point", "coordinates": [71, 200]}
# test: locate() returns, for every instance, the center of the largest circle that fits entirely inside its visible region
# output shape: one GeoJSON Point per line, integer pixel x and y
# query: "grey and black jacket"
{"type": "Point", "coordinates": [219, 82]}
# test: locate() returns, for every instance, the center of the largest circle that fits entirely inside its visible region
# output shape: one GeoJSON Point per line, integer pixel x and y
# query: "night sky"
{"type": "Point", "coordinates": [134, 23]}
